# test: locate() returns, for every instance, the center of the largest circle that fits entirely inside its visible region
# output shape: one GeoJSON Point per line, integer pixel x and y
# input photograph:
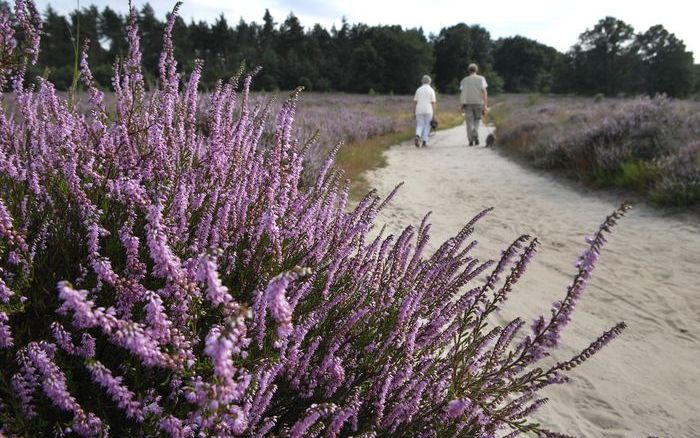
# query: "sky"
{"type": "Point", "coordinates": [555, 23]}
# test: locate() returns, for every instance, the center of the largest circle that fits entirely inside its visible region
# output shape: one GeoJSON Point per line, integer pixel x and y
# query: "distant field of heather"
{"type": "Point", "coordinates": [649, 145]}
{"type": "Point", "coordinates": [365, 124]}
{"type": "Point", "coordinates": [355, 120]}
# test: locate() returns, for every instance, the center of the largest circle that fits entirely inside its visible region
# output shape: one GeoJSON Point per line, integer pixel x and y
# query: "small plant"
{"type": "Point", "coordinates": [533, 99]}
{"type": "Point", "coordinates": [157, 279]}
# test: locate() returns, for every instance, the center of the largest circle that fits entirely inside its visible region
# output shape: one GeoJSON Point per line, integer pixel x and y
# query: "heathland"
{"type": "Point", "coordinates": [181, 264]}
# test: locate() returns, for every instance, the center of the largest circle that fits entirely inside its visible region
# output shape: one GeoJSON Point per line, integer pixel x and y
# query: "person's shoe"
{"type": "Point", "coordinates": [476, 142]}
{"type": "Point", "coordinates": [425, 145]}
{"type": "Point", "coordinates": [471, 143]}
{"type": "Point", "coordinates": [416, 141]}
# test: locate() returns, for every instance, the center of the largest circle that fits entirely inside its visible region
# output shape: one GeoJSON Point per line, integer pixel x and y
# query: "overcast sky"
{"type": "Point", "coordinates": [556, 23]}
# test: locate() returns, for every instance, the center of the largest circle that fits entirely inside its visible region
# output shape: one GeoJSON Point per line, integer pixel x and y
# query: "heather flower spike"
{"type": "Point", "coordinates": [169, 270]}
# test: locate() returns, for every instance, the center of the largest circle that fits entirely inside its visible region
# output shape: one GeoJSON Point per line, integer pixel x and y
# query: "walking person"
{"type": "Point", "coordinates": [425, 111]}
{"type": "Point", "coordinates": [474, 99]}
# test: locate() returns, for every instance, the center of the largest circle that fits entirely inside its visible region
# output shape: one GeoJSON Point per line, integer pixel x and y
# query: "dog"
{"type": "Point", "coordinates": [490, 140]}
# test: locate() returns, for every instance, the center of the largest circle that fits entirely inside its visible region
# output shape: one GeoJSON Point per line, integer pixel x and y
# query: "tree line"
{"type": "Point", "coordinates": [609, 58]}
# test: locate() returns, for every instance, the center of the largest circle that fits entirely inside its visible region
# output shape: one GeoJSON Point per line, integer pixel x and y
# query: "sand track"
{"type": "Point", "coordinates": [647, 383]}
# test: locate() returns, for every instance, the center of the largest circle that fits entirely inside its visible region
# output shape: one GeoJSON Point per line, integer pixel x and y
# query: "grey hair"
{"type": "Point", "coordinates": [473, 68]}
{"type": "Point", "coordinates": [425, 79]}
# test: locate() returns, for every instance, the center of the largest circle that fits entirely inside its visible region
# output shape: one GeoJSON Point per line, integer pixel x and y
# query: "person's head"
{"type": "Point", "coordinates": [425, 80]}
{"type": "Point", "coordinates": [473, 68]}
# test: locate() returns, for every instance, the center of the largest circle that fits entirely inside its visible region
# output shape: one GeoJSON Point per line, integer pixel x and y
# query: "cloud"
{"type": "Point", "coordinates": [311, 8]}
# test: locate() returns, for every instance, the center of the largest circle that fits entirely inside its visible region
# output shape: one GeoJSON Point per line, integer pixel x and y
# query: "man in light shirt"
{"type": "Point", "coordinates": [474, 99]}
{"type": "Point", "coordinates": [424, 111]}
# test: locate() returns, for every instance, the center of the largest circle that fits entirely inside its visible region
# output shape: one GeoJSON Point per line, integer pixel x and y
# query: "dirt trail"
{"type": "Point", "coordinates": [646, 383]}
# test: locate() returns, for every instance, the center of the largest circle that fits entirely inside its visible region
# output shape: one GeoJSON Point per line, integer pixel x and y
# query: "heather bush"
{"type": "Point", "coordinates": [328, 120]}
{"type": "Point", "coordinates": [681, 182]}
{"type": "Point", "coordinates": [645, 144]}
{"type": "Point", "coordinates": [323, 120]}
{"type": "Point", "coordinates": [161, 280]}
{"type": "Point", "coordinates": [356, 121]}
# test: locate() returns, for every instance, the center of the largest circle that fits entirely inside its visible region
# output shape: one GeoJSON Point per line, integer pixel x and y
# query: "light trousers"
{"type": "Point", "coordinates": [472, 115]}
{"type": "Point", "coordinates": [423, 126]}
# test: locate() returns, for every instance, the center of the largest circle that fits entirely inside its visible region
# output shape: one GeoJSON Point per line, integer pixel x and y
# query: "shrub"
{"type": "Point", "coordinates": [637, 174]}
{"type": "Point", "coordinates": [680, 181]}
{"type": "Point", "coordinates": [157, 280]}
{"type": "Point", "coordinates": [641, 144]}
{"type": "Point", "coordinates": [533, 99]}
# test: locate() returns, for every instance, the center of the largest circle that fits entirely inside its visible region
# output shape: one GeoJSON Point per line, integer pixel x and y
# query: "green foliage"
{"type": "Point", "coordinates": [635, 175]}
{"type": "Point", "coordinates": [525, 64]}
{"type": "Point", "coordinates": [604, 59]}
{"type": "Point", "coordinates": [667, 65]}
{"type": "Point", "coordinates": [455, 48]}
{"type": "Point", "coordinates": [56, 49]}
{"type": "Point", "coordinates": [494, 81]}
{"type": "Point", "coordinates": [62, 76]}
{"type": "Point", "coordinates": [609, 59]}
{"type": "Point", "coordinates": [533, 99]}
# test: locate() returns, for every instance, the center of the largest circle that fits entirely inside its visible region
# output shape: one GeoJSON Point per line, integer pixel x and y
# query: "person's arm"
{"type": "Point", "coordinates": [484, 95]}
{"type": "Point", "coordinates": [434, 109]}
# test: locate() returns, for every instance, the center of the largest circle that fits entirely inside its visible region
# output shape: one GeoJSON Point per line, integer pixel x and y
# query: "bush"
{"type": "Point", "coordinates": [157, 280]}
{"type": "Point", "coordinates": [637, 174]}
{"type": "Point", "coordinates": [533, 99]}
{"type": "Point", "coordinates": [495, 82]}
{"type": "Point", "coordinates": [679, 183]}
{"type": "Point", "coordinates": [642, 144]}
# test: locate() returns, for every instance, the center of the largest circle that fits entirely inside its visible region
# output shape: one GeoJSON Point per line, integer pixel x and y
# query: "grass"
{"type": "Point", "coordinates": [633, 175]}
{"type": "Point", "coordinates": [499, 112]}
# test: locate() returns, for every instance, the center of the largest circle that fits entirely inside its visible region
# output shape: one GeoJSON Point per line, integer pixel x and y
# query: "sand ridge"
{"type": "Point", "coordinates": [646, 383]}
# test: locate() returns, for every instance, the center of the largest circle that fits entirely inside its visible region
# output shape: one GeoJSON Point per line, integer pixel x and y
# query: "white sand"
{"type": "Point", "coordinates": [645, 383]}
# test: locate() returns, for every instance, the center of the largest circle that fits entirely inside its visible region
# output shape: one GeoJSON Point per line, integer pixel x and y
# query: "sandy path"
{"type": "Point", "coordinates": [646, 383]}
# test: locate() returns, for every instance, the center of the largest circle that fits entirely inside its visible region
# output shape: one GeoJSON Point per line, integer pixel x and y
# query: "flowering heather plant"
{"type": "Point", "coordinates": [326, 120]}
{"type": "Point", "coordinates": [156, 280]}
{"type": "Point", "coordinates": [646, 144]}
{"type": "Point", "coordinates": [323, 120]}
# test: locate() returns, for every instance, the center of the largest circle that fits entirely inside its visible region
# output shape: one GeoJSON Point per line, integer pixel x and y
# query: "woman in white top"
{"type": "Point", "coordinates": [425, 111]}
